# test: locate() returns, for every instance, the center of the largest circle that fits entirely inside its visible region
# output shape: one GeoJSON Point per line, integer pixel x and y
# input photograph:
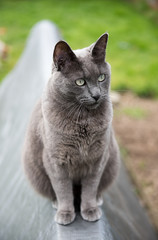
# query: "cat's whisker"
{"type": "Point", "coordinates": [66, 107]}
{"type": "Point", "coordinates": [76, 111]}
{"type": "Point", "coordinates": [75, 107]}
{"type": "Point", "coordinates": [72, 110]}
{"type": "Point", "coordinates": [79, 113]}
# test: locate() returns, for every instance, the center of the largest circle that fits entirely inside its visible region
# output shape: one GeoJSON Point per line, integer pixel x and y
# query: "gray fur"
{"type": "Point", "coordinates": [70, 140]}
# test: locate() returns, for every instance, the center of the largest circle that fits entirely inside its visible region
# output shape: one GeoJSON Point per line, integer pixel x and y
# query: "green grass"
{"type": "Point", "coordinates": [136, 113]}
{"type": "Point", "coordinates": [133, 42]}
{"type": "Point", "coordinates": [124, 152]}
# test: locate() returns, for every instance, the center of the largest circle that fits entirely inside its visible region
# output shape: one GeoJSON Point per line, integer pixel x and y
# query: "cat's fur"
{"type": "Point", "coordinates": [70, 141]}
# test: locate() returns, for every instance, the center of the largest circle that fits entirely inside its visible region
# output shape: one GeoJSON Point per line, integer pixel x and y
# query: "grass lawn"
{"type": "Point", "coordinates": [133, 41]}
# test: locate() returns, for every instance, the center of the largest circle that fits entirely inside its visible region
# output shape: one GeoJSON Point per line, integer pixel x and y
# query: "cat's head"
{"type": "Point", "coordinates": [82, 76]}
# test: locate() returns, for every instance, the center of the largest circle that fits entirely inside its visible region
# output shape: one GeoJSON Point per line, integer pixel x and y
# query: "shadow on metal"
{"type": "Point", "coordinates": [24, 214]}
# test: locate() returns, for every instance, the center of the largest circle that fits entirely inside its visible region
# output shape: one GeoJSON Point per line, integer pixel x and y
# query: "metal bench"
{"type": "Point", "coordinates": [24, 215]}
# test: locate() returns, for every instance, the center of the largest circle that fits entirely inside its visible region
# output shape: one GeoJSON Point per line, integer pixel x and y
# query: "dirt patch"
{"type": "Point", "coordinates": [136, 127]}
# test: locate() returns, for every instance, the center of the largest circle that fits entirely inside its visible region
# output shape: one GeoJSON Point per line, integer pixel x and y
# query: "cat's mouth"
{"type": "Point", "coordinates": [90, 104]}
{"type": "Point", "coordinates": [93, 105]}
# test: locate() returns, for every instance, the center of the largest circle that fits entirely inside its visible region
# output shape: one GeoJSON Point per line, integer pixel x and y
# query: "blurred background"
{"type": "Point", "coordinates": [133, 54]}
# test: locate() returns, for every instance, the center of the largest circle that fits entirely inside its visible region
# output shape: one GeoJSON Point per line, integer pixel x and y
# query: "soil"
{"type": "Point", "coordinates": [136, 128]}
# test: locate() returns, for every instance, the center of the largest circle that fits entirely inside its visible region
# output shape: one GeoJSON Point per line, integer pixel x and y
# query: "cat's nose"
{"type": "Point", "coordinates": [96, 96]}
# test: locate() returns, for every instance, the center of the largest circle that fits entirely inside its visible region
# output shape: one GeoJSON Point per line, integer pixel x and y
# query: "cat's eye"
{"type": "Point", "coordinates": [101, 78]}
{"type": "Point", "coordinates": [80, 82]}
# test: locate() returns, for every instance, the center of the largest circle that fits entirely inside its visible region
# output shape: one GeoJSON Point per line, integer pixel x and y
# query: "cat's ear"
{"type": "Point", "coordinates": [99, 48]}
{"type": "Point", "coordinates": [63, 56]}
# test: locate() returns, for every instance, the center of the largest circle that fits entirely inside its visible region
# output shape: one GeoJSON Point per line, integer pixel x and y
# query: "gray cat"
{"type": "Point", "coordinates": [70, 144]}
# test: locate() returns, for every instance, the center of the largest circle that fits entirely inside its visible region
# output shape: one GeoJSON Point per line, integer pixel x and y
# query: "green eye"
{"type": "Point", "coordinates": [80, 82]}
{"type": "Point", "coordinates": [101, 78]}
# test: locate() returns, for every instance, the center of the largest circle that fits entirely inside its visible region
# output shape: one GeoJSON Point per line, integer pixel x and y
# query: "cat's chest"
{"type": "Point", "coordinates": [82, 144]}
{"type": "Point", "coordinates": [78, 149]}
{"type": "Point", "coordinates": [85, 140]}
{"type": "Point", "coordinates": [82, 152]}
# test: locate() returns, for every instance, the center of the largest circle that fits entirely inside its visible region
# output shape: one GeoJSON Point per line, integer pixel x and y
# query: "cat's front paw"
{"type": "Point", "coordinates": [91, 214]}
{"type": "Point", "coordinates": [64, 217]}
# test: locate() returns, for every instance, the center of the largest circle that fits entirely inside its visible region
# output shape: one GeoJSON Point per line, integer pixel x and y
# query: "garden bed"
{"type": "Point", "coordinates": [135, 123]}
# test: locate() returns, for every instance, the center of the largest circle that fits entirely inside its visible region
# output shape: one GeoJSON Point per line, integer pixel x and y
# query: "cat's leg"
{"type": "Point", "coordinates": [89, 206]}
{"type": "Point", "coordinates": [63, 188]}
{"type": "Point", "coordinates": [35, 171]}
{"type": "Point", "coordinates": [111, 169]}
